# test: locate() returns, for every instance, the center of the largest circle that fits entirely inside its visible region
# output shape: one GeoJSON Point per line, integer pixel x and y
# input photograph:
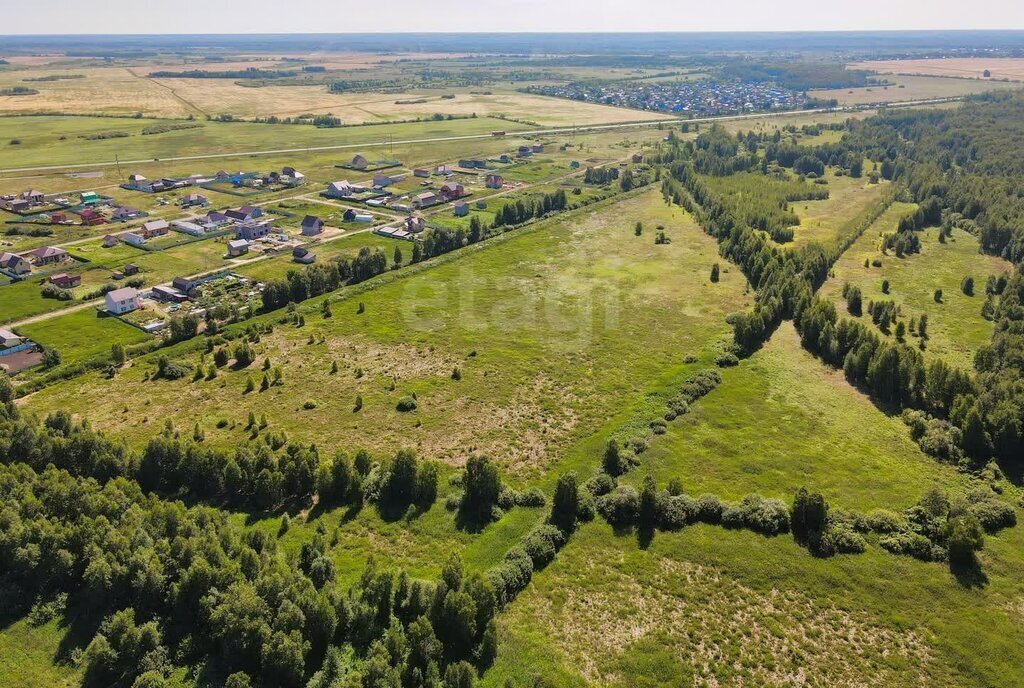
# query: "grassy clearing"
{"type": "Point", "coordinates": [743, 437]}
{"type": "Point", "coordinates": [711, 606]}
{"type": "Point", "coordinates": [955, 326]}
{"type": "Point", "coordinates": [83, 334]}
{"type": "Point", "coordinates": [825, 221]}
{"type": "Point", "coordinates": [545, 328]}
{"type": "Point", "coordinates": [27, 656]}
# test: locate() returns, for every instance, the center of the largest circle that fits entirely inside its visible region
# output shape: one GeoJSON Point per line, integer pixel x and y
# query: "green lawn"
{"type": "Point", "coordinates": [83, 334]}
{"type": "Point", "coordinates": [827, 221]}
{"type": "Point", "coordinates": [955, 326]}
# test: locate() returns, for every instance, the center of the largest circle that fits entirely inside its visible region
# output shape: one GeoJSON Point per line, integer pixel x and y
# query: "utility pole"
{"type": "Point", "coordinates": [117, 162]}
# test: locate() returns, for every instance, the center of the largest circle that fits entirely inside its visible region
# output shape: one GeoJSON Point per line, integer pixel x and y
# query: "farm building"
{"type": "Point", "coordinates": [452, 190]}
{"type": "Point", "coordinates": [524, 152]}
{"type": "Point", "coordinates": [494, 181]}
{"type": "Point", "coordinates": [48, 255]}
{"type": "Point", "coordinates": [137, 181]}
{"type": "Point", "coordinates": [133, 238]}
{"type": "Point", "coordinates": [340, 189]}
{"type": "Point", "coordinates": [359, 162]}
{"type": "Point", "coordinates": [91, 217]}
{"type": "Point", "coordinates": [363, 217]}
{"type": "Point", "coordinates": [311, 225]}
{"type": "Point", "coordinates": [383, 180]}
{"type": "Point", "coordinates": [461, 209]}
{"type": "Point", "coordinates": [238, 247]}
{"type": "Point", "coordinates": [504, 158]}
{"type": "Point", "coordinates": [443, 169]}
{"type": "Point", "coordinates": [536, 148]}
{"type": "Point", "coordinates": [421, 173]}
{"type": "Point", "coordinates": [91, 198]}
{"type": "Point", "coordinates": [65, 281]}
{"type": "Point", "coordinates": [481, 205]}
{"type": "Point", "coordinates": [123, 300]}
{"type": "Point", "coordinates": [194, 201]}
{"type": "Point", "coordinates": [110, 241]}
{"type": "Point", "coordinates": [251, 232]}
{"type": "Point", "coordinates": [168, 294]}
{"type": "Point", "coordinates": [131, 269]}
{"type": "Point", "coordinates": [303, 255]}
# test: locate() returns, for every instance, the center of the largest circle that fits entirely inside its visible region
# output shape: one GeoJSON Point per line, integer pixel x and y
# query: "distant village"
{"type": "Point", "coordinates": [699, 98]}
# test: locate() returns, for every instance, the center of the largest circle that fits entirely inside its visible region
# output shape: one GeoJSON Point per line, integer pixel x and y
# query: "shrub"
{"type": "Point", "coordinates": [885, 521]}
{"type": "Point", "coordinates": [542, 543]}
{"type": "Point", "coordinates": [621, 506]}
{"type": "Point", "coordinates": [600, 484]}
{"type": "Point", "coordinates": [726, 359]}
{"type": "Point", "coordinates": [309, 405]}
{"type": "Point", "coordinates": [531, 498]}
{"type": "Point", "coordinates": [406, 404]}
{"type": "Point", "coordinates": [709, 509]}
{"type": "Point", "coordinates": [964, 537]}
{"type": "Point", "coordinates": [675, 511]}
{"type": "Point", "coordinates": [840, 538]}
{"type": "Point", "coordinates": [993, 514]}
{"type": "Point", "coordinates": [912, 545]}
{"type": "Point", "coordinates": [765, 516]}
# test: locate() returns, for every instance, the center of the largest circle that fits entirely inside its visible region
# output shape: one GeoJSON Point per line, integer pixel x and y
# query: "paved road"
{"type": "Point", "coordinates": [534, 132]}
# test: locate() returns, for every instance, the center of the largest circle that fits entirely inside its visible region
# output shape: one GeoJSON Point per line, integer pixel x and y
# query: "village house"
{"type": "Point", "coordinates": [382, 180]}
{"type": "Point", "coordinates": [451, 190]}
{"type": "Point", "coordinates": [251, 231]}
{"type": "Point", "coordinates": [238, 247]}
{"type": "Point", "coordinates": [123, 300]}
{"type": "Point", "coordinates": [15, 264]}
{"type": "Point", "coordinates": [213, 220]}
{"type": "Point", "coordinates": [425, 200]}
{"type": "Point", "coordinates": [481, 205]}
{"type": "Point", "coordinates": [443, 169]}
{"type": "Point", "coordinates": [524, 152]}
{"type": "Point", "coordinates": [184, 284]}
{"type": "Point", "coordinates": [494, 181]}
{"type": "Point", "coordinates": [303, 255]}
{"type": "Point", "coordinates": [59, 218]}
{"type": "Point", "coordinates": [154, 228]}
{"type": "Point", "coordinates": [123, 213]}
{"type": "Point", "coordinates": [311, 225]}
{"type": "Point", "coordinates": [33, 196]}
{"type": "Point", "coordinates": [537, 148]}
{"type": "Point", "coordinates": [246, 213]}
{"type": "Point", "coordinates": [340, 189]}
{"type": "Point", "coordinates": [291, 177]}
{"type": "Point", "coordinates": [359, 162]}
{"type": "Point", "coordinates": [9, 339]}
{"type": "Point", "coordinates": [65, 281]}
{"type": "Point", "coordinates": [92, 198]}
{"type": "Point", "coordinates": [190, 228]}
{"type": "Point", "coordinates": [91, 218]}
{"type": "Point", "coordinates": [48, 255]}
{"type": "Point", "coordinates": [133, 238]}
{"type": "Point", "coordinates": [131, 269]}
{"type": "Point", "coordinates": [137, 181]}
{"type": "Point", "coordinates": [110, 241]}
{"type": "Point", "coordinates": [415, 224]}
{"type": "Point", "coordinates": [194, 201]}
{"type": "Point", "coordinates": [461, 209]}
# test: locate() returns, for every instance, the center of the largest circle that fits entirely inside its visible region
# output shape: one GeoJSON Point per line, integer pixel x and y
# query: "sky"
{"type": "Point", "coordinates": [356, 16]}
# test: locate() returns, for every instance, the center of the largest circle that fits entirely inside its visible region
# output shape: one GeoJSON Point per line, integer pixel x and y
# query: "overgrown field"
{"type": "Point", "coordinates": [544, 328]}
{"type": "Point", "coordinates": [713, 606]}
